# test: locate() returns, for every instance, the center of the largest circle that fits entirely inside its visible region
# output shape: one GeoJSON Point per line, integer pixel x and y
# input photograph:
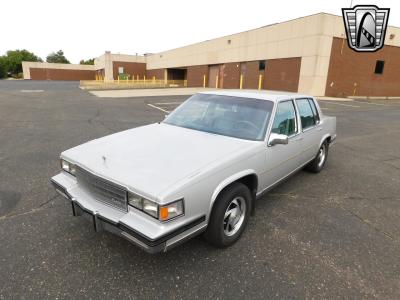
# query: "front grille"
{"type": "Point", "coordinates": [102, 189]}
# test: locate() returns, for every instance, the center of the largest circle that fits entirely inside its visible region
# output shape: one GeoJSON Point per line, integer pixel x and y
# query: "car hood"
{"type": "Point", "coordinates": [151, 158]}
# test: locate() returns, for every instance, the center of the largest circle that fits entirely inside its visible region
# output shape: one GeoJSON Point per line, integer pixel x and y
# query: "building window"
{"type": "Point", "coordinates": [380, 64]}
{"type": "Point", "coordinates": [120, 70]}
{"type": "Point", "coordinates": [261, 65]}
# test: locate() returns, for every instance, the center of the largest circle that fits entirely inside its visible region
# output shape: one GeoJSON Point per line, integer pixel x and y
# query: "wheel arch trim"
{"type": "Point", "coordinates": [325, 137]}
{"type": "Point", "coordinates": [227, 181]}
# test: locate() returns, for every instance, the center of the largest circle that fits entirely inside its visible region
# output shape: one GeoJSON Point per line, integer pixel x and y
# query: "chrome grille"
{"type": "Point", "coordinates": [102, 189]}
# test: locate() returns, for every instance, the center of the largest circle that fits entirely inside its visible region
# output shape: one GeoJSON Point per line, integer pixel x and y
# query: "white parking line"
{"type": "Point", "coordinates": [159, 108]}
{"type": "Point", "coordinates": [167, 103]}
{"type": "Point", "coordinates": [328, 102]}
{"type": "Point", "coordinates": [380, 104]}
{"type": "Point", "coordinates": [32, 91]}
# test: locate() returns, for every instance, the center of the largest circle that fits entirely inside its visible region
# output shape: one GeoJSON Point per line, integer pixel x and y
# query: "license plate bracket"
{"type": "Point", "coordinates": [78, 211]}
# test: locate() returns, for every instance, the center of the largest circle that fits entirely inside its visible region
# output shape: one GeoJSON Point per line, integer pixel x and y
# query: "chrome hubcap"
{"type": "Point", "coordinates": [234, 216]}
{"type": "Point", "coordinates": [321, 156]}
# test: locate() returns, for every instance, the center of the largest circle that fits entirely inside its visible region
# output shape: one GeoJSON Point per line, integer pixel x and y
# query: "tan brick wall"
{"type": "Point", "coordinates": [195, 75]}
{"type": "Point", "coordinates": [230, 76]}
{"type": "Point", "coordinates": [131, 68]}
{"type": "Point", "coordinates": [61, 74]}
{"type": "Point", "coordinates": [250, 75]}
{"type": "Point", "coordinates": [282, 74]}
{"type": "Point", "coordinates": [347, 68]}
{"type": "Point", "coordinates": [158, 73]}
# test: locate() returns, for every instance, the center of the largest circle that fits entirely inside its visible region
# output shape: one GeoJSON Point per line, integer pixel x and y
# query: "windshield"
{"type": "Point", "coordinates": [244, 118]}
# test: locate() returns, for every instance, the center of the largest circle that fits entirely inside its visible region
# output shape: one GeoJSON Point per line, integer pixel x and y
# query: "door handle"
{"type": "Point", "coordinates": [319, 128]}
{"type": "Point", "coordinates": [298, 139]}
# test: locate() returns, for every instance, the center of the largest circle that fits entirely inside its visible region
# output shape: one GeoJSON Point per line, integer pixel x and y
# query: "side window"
{"type": "Point", "coordinates": [306, 113]}
{"type": "Point", "coordinates": [285, 119]}
{"type": "Point", "coordinates": [314, 110]}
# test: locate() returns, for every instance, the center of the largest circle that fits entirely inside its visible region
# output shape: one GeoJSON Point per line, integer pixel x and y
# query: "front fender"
{"type": "Point", "coordinates": [228, 181]}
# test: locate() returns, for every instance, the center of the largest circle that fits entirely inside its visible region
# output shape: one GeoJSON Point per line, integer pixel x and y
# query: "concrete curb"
{"type": "Point", "coordinates": [323, 98]}
{"type": "Point", "coordinates": [375, 98]}
{"type": "Point", "coordinates": [148, 92]}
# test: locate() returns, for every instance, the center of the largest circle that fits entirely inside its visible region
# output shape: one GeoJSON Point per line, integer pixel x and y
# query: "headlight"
{"type": "Point", "coordinates": [162, 213]}
{"type": "Point", "coordinates": [151, 208]}
{"type": "Point", "coordinates": [68, 167]}
{"type": "Point", "coordinates": [135, 201]}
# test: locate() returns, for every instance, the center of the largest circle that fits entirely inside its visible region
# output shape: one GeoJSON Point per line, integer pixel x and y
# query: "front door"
{"type": "Point", "coordinates": [282, 160]}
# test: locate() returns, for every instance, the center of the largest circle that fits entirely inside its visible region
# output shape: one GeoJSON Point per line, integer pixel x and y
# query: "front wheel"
{"type": "Point", "coordinates": [229, 216]}
{"type": "Point", "coordinates": [317, 164]}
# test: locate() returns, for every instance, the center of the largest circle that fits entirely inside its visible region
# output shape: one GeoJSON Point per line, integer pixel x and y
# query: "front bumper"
{"type": "Point", "coordinates": [126, 225]}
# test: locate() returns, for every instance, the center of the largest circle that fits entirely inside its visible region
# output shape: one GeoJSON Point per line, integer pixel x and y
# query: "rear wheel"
{"type": "Point", "coordinates": [317, 164]}
{"type": "Point", "coordinates": [229, 216]}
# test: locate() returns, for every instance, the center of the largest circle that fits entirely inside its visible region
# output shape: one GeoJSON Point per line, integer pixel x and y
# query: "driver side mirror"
{"type": "Point", "coordinates": [278, 139]}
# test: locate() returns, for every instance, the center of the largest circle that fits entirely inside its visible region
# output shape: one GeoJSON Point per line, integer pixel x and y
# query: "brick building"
{"type": "Point", "coordinates": [307, 55]}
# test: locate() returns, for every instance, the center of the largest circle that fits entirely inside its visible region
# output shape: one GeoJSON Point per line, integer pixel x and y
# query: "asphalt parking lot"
{"type": "Point", "coordinates": [331, 235]}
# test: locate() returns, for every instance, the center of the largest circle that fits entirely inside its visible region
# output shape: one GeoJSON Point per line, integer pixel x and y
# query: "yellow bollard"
{"type": "Point", "coordinates": [118, 79]}
{"type": "Point", "coordinates": [260, 82]}
{"type": "Point", "coordinates": [137, 77]}
{"type": "Point", "coordinates": [241, 81]}
{"type": "Point", "coordinates": [154, 79]}
{"type": "Point", "coordinates": [204, 81]}
{"type": "Point", "coordinates": [216, 81]}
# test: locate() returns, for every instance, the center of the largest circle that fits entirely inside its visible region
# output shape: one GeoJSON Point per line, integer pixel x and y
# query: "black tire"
{"type": "Point", "coordinates": [221, 232]}
{"type": "Point", "coordinates": [318, 163]}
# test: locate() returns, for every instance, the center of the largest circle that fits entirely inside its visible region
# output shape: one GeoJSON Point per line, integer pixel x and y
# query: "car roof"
{"type": "Point", "coordinates": [274, 96]}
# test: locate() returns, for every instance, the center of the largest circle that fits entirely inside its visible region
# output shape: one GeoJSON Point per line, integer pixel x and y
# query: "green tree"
{"type": "Point", "coordinates": [12, 61]}
{"type": "Point", "coordinates": [57, 57]}
{"type": "Point", "coordinates": [87, 62]}
{"type": "Point", "coordinates": [2, 68]}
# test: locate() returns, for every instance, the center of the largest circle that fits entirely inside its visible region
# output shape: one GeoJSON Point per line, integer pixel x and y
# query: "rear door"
{"type": "Point", "coordinates": [283, 159]}
{"type": "Point", "coordinates": [310, 128]}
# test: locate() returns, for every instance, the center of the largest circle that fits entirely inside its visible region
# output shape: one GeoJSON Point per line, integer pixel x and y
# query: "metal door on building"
{"type": "Point", "coordinates": [213, 76]}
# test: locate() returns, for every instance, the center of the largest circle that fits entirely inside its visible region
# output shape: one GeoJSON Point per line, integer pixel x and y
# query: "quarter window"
{"type": "Point", "coordinates": [314, 109]}
{"type": "Point", "coordinates": [285, 119]}
{"type": "Point", "coordinates": [306, 113]}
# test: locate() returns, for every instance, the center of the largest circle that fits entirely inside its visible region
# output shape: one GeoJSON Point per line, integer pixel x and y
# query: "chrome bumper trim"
{"type": "Point", "coordinates": [147, 244]}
